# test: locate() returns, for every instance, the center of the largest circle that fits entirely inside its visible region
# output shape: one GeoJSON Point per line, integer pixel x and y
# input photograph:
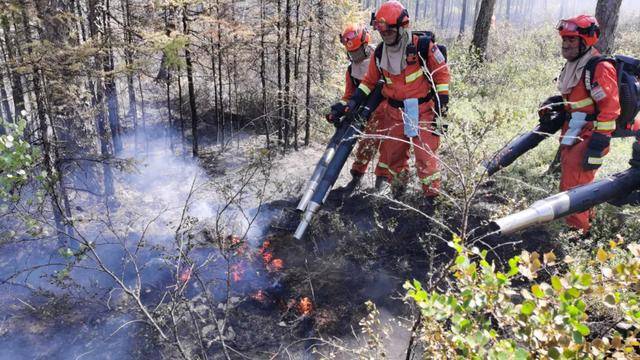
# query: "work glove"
{"type": "Point", "coordinates": [635, 157]}
{"type": "Point", "coordinates": [335, 113]}
{"type": "Point", "coordinates": [549, 106]}
{"type": "Point", "coordinates": [595, 151]}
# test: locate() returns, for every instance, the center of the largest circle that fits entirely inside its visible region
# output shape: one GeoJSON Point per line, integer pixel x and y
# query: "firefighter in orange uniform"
{"type": "Point", "coordinates": [413, 99]}
{"type": "Point", "coordinates": [356, 41]}
{"type": "Point", "coordinates": [593, 112]}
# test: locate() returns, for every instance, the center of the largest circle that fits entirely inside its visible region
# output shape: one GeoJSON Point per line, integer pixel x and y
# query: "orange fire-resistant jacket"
{"type": "Point", "coordinates": [411, 82]}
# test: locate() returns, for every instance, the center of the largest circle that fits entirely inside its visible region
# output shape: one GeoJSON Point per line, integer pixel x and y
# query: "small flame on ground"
{"type": "Point", "coordinates": [236, 272]}
{"type": "Point", "coordinates": [275, 265]}
{"type": "Point", "coordinates": [185, 275]}
{"type": "Point", "coordinates": [259, 296]}
{"type": "Point", "coordinates": [267, 256]}
{"type": "Point", "coordinates": [236, 242]}
{"type": "Point", "coordinates": [305, 306]}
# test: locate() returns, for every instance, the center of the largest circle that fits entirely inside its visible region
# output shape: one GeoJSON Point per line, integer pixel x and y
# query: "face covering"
{"type": "Point", "coordinates": [394, 59]}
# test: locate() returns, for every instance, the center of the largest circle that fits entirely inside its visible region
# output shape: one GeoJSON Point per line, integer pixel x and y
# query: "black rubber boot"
{"type": "Point", "coordinates": [354, 184]}
{"type": "Point", "coordinates": [382, 187]}
{"type": "Point", "coordinates": [635, 156]}
{"type": "Point", "coordinates": [428, 205]}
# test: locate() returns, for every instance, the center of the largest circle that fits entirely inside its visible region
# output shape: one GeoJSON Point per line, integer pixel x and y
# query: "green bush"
{"type": "Point", "coordinates": [486, 315]}
{"type": "Point", "coordinates": [17, 160]}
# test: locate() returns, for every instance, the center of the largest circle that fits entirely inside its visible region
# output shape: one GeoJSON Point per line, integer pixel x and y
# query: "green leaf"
{"type": "Point", "coordinates": [521, 354]}
{"type": "Point", "coordinates": [578, 338]}
{"type": "Point", "coordinates": [585, 280]}
{"type": "Point", "coordinates": [536, 290]}
{"type": "Point", "coordinates": [556, 284]}
{"type": "Point", "coordinates": [574, 293]}
{"type": "Point", "coordinates": [528, 307]}
{"type": "Point", "coordinates": [513, 266]}
{"type": "Point", "coordinates": [583, 329]}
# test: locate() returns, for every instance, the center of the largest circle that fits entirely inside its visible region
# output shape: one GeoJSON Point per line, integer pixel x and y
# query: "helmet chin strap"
{"type": "Point", "coordinates": [583, 49]}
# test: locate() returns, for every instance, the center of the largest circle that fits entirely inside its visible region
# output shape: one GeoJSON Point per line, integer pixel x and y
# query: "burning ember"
{"type": "Point", "coordinates": [305, 306]}
{"type": "Point", "coordinates": [234, 241]}
{"type": "Point", "coordinates": [259, 296]}
{"type": "Point", "coordinates": [267, 256]}
{"type": "Point", "coordinates": [275, 265]}
{"type": "Point", "coordinates": [236, 272]}
{"type": "Point", "coordinates": [185, 275]}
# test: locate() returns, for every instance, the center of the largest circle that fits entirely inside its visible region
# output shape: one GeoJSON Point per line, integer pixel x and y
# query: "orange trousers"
{"type": "Point", "coordinates": [396, 148]}
{"type": "Point", "coordinates": [573, 174]}
{"type": "Point", "coordinates": [369, 143]}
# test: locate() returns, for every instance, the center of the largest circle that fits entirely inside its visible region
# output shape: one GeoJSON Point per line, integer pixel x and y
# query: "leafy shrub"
{"type": "Point", "coordinates": [488, 315]}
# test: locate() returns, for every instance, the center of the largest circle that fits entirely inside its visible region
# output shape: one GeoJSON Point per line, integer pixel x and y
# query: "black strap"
{"type": "Point", "coordinates": [354, 80]}
{"type": "Point", "coordinates": [589, 73]}
{"type": "Point", "coordinates": [399, 104]}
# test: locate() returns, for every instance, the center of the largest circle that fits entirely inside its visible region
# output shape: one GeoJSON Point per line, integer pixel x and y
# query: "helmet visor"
{"type": "Point", "coordinates": [347, 37]}
{"type": "Point", "coordinates": [564, 25]}
{"type": "Point", "coordinates": [381, 25]}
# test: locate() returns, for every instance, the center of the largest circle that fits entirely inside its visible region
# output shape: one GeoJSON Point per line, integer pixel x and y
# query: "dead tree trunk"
{"type": "Point", "coordinates": [61, 214]}
{"type": "Point", "coordinates": [307, 102]}
{"type": "Point", "coordinates": [10, 61]}
{"type": "Point", "coordinates": [481, 31]}
{"type": "Point", "coordinates": [128, 59]}
{"type": "Point", "coordinates": [192, 92]}
{"type": "Point", "coordinates": [111, 91]}
{"type": "Point", "coordinates": [280, 100]}
{"type": "Point", "coordinates": [463, 18]}
{"type": "Point", "coordinates": [263, 76]}
{"type": "Point", "coordinates": [607, 13]}
{"type": "Point", "coordinates": [6, 108]}
{"type": "Point", "coordinates": [442, 9]}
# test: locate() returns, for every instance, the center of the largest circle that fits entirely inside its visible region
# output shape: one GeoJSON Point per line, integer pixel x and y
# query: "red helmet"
{"type": "Point", "coordinates": [354, 36]}
{"type": "Point", "coordinates": [584, 26]}
{"type": "Point", "coordinates": [391, 14]}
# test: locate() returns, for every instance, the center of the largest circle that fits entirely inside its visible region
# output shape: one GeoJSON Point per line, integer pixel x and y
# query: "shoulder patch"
{"type": "Point", "coordinates": [598, 93]}
{"type": "Point", "coordinates": [437, 54]}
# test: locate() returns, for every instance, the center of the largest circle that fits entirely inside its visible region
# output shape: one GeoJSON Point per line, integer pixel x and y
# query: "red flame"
{"type": "Point", "coordinates": [275, 265]}
{"type": "Point", "coordinates": [305, 306]}
{"type": "Point", "coordinates": [236, 272]}
{"type": "Point", "coordinates": [267, 256]}
{"type": "Point", "coordinates": [185, 275]}
{"type": "Point", "coordinates": [259, 296]}
{"type": "Point", "coordinates": [236, 241]}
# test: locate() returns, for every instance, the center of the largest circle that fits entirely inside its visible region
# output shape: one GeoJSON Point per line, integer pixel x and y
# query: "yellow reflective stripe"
{"type": "Point", "coordinates": [605, 125]}
{"type": "Point", "coordinates": [385, 166]}
{"type": "Point", "coordinates": [387, 80]}
{"type": "Point", "coordinates": [429, 179]}
{"type": "Point", "coordinates": [594, 161]}
{"type": "Point", "coordinates": [413, 77]}
{"type": "Point", "coordinates": [365, 89]}
{"type": "Point", "coordinates": [442, 87]}
{"type": "Point", "coordinates": [582, 103]}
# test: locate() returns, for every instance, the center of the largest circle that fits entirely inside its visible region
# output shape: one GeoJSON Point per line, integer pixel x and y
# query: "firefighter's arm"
{"type": "Point", "coordinates": [439, 70]}
{"type": "Point", "coordinates": [366, 86]}
{"type": "Point", "coordinates": [604, 92]}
